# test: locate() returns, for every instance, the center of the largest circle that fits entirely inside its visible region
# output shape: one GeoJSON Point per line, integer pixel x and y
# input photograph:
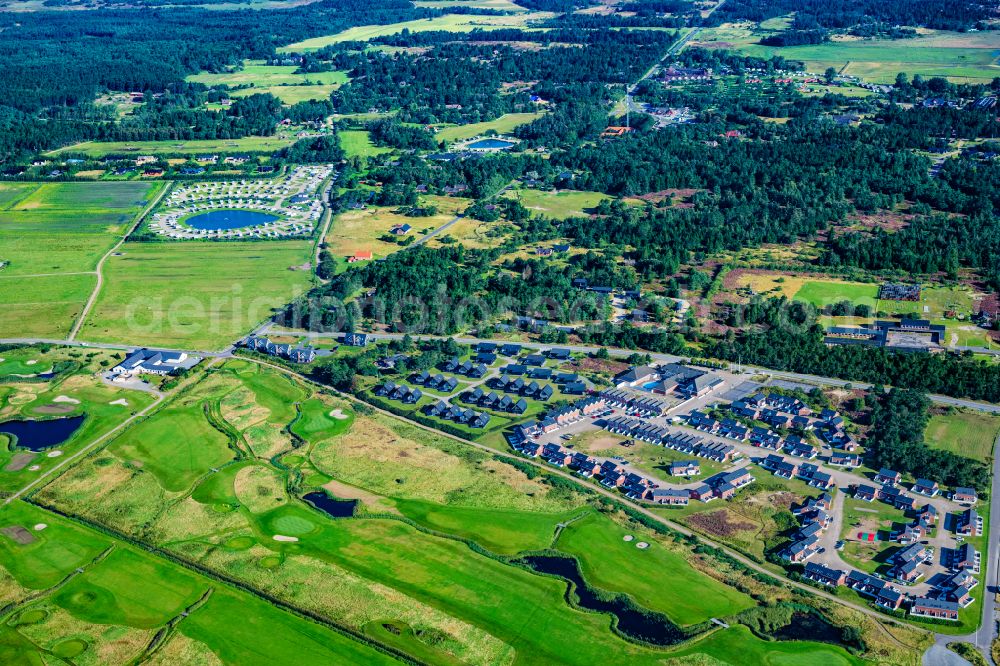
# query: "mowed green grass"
{"type": "Point", "coordinates": [51, 238]}
{"type": "Point", "coordinates": [657, 578]}
{"type": "Point", "coordinates": [195, 294]}
{"type": "Point", "coordinates": [447, 22]}
{"type": "Point", "coordinates": [737, 646]}
{"type": "Point", "coordinates": [502, 125]}
{"type": "Point", "coordinates": [190, 147]}
{"type": "Point", "coordinates": [968, 434]}
{"type": "Point", "coordinates": [290, 94]}
{"type": "Point", "coordinates": [130, 587]}
{"type": "Point", "coordinates": [558, 205]}
{"type": "Point", "coordinates": [358, 143]}
{"type": "Point", "coordinates": [258, 75]}
{"type": "Point", "coordinates": [501, 531]}
{"type": "Point", "coordinates": [177, 445]}
{"type": "Point", "coordinates": [823, 293]}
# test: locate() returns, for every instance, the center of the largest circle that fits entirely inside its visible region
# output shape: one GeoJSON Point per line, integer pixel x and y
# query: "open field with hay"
{"type": "Point", "coordinates": [447, 22]}
{"type": "Point", "coordinates": [51, 237]}
{"type": "Point", "coordinates": [191, 147]}
{"type": "Point", "coordinates": [968, 434]}
{"type": "Point", "coordinates": [196, 294]}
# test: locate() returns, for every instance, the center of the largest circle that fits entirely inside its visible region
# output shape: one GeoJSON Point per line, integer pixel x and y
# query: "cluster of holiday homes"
{"type": "Point", "coordinates": [153, 362]}
{"type": "Point", "coordinates": [815, 518]}
{"type": "Point", "coordinates": [393, 391]}
{"type": "Point", "coordinates": [943, 602]}
{"type": "Point", "coordinates": [787, 412]}
{"type": "Point", "coordinates": [613, 476]}
{"type": "Point", "coordinates": [443, 410]}
{"type": "Point", "coordinates": [296, 353]}
{"type": "Point", "coordinates": [668, 379]}
{"type": "Point", "coordinates": [685, 443]}
{"type": "Point", "coordinates": [517, 377]}
{"type": "Point", "coordinates": [793, 469]}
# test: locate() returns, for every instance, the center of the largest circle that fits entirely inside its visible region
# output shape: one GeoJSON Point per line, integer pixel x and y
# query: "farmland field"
{"type": "Point", "coordinates": [199, 294]}
{"type": "Point", "coordinates": [259, 75]}
{"type": "Point", "coordinates": [501, 125]}
{"type": "Point", "coordinates": [51, 237]}
{"type": "Point", "coordinates": [447, 22]}
{"type": "Point", "coordinates": [356, 143]}
{"type": "Point", "coordinates": [558, 205]}
{"type": "Point", "coordinates": [188, 147]}
{"type": "Point", "coordinates": [968, 434]}
{"type": "Point", "coordinates": [963, 58]}
{"type": "Point", "coordinates": [290, 94]}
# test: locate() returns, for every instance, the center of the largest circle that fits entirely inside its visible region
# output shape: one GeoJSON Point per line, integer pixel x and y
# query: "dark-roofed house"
{"type": "Point", "coordinates": [355, 339]}
{"type": "Point", "coordinates": [558, 353]}
{"type": "Point", "coordinates": [964, 496]}
{"type": "Point", "coordinates": [926, 487]}
{"type": "Point", "coordinates": [888, 476]}
{"type": "Point", "coordinates": [968, 523]}
{"type": "Point", "coordinates": [510, 350]}
{"type": "Point", "coordinates": [574, 388]}
{"type": "Point", "coordinates": [825, 575]}
{"type": "Point", "coordinates": [486, 347]}
{"type": "Point", "coordinates": [865, 492]}
{"type": "Point", "coordinates": [534, 359]}
{"type": "Point", "coordinates": [152, 362]}
{"type": "Point", "coordinates": [670, 496]}
{"type": "Point", "coordinates": [939, 609]}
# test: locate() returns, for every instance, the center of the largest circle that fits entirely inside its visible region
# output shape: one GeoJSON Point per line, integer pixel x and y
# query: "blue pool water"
{"type": "Point", "coordinates": [491, 144]}
{"type": "Point", "coordinates": [229, 219]}
{"type": "Point", "coordinates": [649, 385]}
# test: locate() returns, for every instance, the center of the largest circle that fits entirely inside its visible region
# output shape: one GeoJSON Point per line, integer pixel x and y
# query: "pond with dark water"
{"type": "Point", "coordinates": [331, 506]}
{"type": "Point", "coordinates": [643, 625]}
{"type": "Point", "coordinates": [215, 220]}
{"type": "Point", "coordinates": [41, 435]}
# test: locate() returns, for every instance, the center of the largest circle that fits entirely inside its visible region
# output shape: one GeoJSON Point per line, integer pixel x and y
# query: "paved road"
{"type": "Point", "coordinates": [100, 264]}
{"type": "Point", "coordinates": [940, 655]}
{"type": "Point", "coordinates": [116, 346]}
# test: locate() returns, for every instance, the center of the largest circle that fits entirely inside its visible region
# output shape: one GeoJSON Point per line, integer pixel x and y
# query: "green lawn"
{"type": "Point", "coordinates": [558, 205]}
{"type": "Point", "coordinates": [190, 147]}
{"type": "Point", "coordinates": [289, 94]}
{"type": "Point", "coordinates": [657, 578]}
{"type": "Point", "coordinates": [969, 434]}
{"type": "Point", "coordinates": [505, 532]}
{"type": "Point", "coordinates": [258, 75]}
{"type": "Point", "coordinates": [197, 294]}
{"type": "Point", "coordinates": [315, 422]}
{"type": "Point", "coordinates": [357, 143]}
{"type": "Point", "coordinates": [447, 22]}
{"type": "Point", "coordinates": [821, 293]}
{"type": "Point", "coordinates": [51, 238]}
{"type": "Point", "coordinates": [737, 646]}
{"type": "Point", "coordinates": [501, 125]}
{"type": "Point", "coordinates": [177, 445]}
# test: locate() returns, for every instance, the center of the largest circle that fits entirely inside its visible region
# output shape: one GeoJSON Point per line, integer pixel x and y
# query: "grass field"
{"type": "Point", "coordinates": [558, 205]}
{"type": "Point", "coordinates": [195, 295]}
{"type": "Point", "coordinates": [259, 75]}
{"type": "Point", "coordinates": [133, 589]}
{"type": "Point", "coordinates": [501, 5]}
{"type": "Point", "coordinates": [448, 22]}
{"type": "Point", "coordinates": [361, 230]}
{"type": "Point", "coordinates": [190, 147]}
{"type": "Point", "coordinates": [657, 578]}
{"type": "Point", "coordinates": [356, 143]}
{"type": "Point", "coordinates": [969, 434]}
{"type": "Point", "coordinates": [968, 58]}
{"type": "Point", "coordinates": [290, 94]}
{"type": "Point", "coordinates": [501, 125]}
{"type": "Point", "coordinates": [51, 238]}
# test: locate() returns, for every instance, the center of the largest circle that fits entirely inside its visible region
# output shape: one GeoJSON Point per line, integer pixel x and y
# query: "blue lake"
{"type": "Point", "coordinates": [229, 219]}
{"type": "Point", "coordinates": [491, 144]}
{"type": "Point", "coordinates": [41, 435]}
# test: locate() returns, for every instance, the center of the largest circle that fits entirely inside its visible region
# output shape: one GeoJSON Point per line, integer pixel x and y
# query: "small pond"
{"type": "Point", "coordinates": [41, 435]}
{"type": "Point", "coordinates": [331, 506]}
{"type": "Point", "coordinates": [229, 219]}
{"type": "Point", "coordinates": [491, 144]}
{"type": "Point", "coordinates": [809, 627]}
{"type": "Point", "coordinates": [640, 624]}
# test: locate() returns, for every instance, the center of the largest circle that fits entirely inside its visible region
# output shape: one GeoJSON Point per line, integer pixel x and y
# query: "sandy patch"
{"type": "Point", "coordinates": [18, 534]}
{"type": "Point", "coordinates": [628, 537]}
{"type": "Point", "coordinates": [282, 537]}
{"type": "Point", "coordinates": [120, 401]}
{"type": "Point", "coordinates": [343, 491]}
{"type": "Point", "coordinates": [642, 545]}
{"type": "Point", "coordinates": [34, 468]}
{"type": "Point", "coordinates": [31, 362]}
{"type": "Point", "coordinates": [19, 461]}
{"type": "Point", "coordinates": [54, 454]}
{"type": "Point", "coordinates": [338, 414]}
{"type": "Point", "coordinates": [40, 526]}
{"type": "Point", "coordinates": [66, 399]}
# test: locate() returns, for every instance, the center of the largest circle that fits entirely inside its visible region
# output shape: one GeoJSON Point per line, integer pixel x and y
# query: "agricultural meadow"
{"type": "Point", "coordinates": [398, 574]}
{"type": "Point", "coordinates": [52, 237]}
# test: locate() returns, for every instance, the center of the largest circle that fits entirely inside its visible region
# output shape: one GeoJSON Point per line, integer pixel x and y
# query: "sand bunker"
{"type": "Point", "coordinates": [628, 537]}
{"type": "Point", "coordinates": [54, 454]}
{"type": "Point", "coordinates": [120, 401]}
{"type": "Point", "coordinates": [66, 399]}
{"type": "Point", "coordinates": [338, 414]}
{"type": "Point", "coordinates": [40, 526]}
{"type": "Point", "coordinates": [282, 537]}
{"type": "Point", "coordinates": [642, 545]}
{"type": "Point", "coordinates": [34, 468]}
{"type": "Point", "coordinates": [31, 362]}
